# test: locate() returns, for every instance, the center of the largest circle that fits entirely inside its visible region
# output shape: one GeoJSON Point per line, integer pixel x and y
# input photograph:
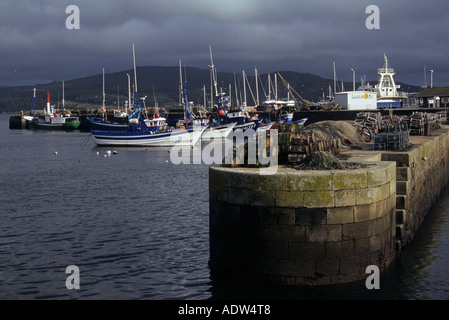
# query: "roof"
{"type": "Point", "coordinates": [433, 92]}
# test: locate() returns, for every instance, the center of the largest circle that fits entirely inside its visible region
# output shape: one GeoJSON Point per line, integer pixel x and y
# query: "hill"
{"type": "Point", "coordinates": [161, 84]}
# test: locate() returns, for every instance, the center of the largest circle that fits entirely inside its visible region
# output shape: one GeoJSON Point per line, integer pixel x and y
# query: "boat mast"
{"type": "Point", "coordinates": [183, 97]}
{"type": "Point", "coordinates": [104, 96]}
{"type": "Point", "coordinates": [129, 93]}
{"type": "Point", "coordinates": [244, 89]}
{"type": "Point", "coordinates": [237, 103]}
{"type": "Point", "coordinates": [204, 96]}
{"type": "Point", "coordinates": [335, 80]}
{"type": "Point", "coordinates": [213, 79]}
{"type": "Point", "coordinates": [135, 78]}
{"type": "Point", "coordinates": [257, 87]}
{"type": "Point", "coordinates": [63, 101]}
{"type": "Point", "coordinates": [34, 103]}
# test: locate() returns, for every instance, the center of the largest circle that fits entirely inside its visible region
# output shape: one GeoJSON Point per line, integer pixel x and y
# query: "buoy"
{"type": "Point", "coordinates": [56, 152]}
{"type": "Point", "coordinates": [166, 161]}
{"type": "Point", "coordinates": [115, 152]}
{"type": "Point", "coordinates": [98, 153]}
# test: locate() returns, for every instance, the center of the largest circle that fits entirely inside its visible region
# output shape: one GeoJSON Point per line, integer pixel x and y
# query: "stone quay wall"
{"type": "Point", "coordinates": [302, 227]}
{"type": "Point", "coordinates": [422, 174]}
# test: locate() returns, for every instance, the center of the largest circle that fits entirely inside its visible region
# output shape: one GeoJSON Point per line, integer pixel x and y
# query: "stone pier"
{"type": "Point", "coordinates": [323, 227]}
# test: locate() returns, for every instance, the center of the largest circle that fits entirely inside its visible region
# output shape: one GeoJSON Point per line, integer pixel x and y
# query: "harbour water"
{"type": "Point", "coordinates": [137, 227]}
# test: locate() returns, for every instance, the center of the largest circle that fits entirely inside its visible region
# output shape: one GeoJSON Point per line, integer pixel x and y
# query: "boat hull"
{"type": "Point", "coordinates": [220, 132]}
{"type": "Point", "coordinates": [95, 125]}
{"type": "Point", "coordinates": [58, 126]}
{"type": "Point", "coordinates": [177, 137]}
{"type": "Point", "coordinates": [249, 125]}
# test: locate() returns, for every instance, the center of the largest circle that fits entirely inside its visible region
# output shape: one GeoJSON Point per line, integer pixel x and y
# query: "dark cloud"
{"type": "Point", "coordinates": [304, 36]}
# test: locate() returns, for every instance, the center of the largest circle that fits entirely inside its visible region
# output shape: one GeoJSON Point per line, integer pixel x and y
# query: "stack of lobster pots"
{"type": "Point", "coordinates": [306, 143]}
{"type": "Point", "coordinates": [396, 138]}
{"type": "Point", "coordinates": [421, 124]}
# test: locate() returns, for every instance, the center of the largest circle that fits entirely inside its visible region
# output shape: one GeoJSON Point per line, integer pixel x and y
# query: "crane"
{"type": "Point", "coordinates": [305, 103]}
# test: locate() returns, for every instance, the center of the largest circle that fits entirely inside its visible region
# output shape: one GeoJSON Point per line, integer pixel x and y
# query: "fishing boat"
{"type": "Point", "coordinates": [153, 133]}
{"type": "Point", "coordinates": [119, 122]}
{"type": "Point", "coordinates": [243, 121]}
{"type": "Point", "coordinates": [55, 121]}
{"type": "Point", "coordinates": [146, 132]}
{"type": "Point", "coordinates": [218, 132]}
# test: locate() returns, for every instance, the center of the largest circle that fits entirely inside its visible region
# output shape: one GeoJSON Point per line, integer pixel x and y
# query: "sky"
{"type": "Point", "coordinates": [39, 43]}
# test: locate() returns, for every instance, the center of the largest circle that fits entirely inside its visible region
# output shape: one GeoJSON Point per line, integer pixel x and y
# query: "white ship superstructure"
{"type": "Point", "coordinates": [386, 87]}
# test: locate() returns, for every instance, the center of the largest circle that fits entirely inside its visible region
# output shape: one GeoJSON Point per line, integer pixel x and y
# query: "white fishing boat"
{"type": "Point", "coordinates": [218, 132]}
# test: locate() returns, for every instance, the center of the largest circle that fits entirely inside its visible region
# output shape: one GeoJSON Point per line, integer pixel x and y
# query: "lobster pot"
{"type": "Point", "coordinates": [396, 138]}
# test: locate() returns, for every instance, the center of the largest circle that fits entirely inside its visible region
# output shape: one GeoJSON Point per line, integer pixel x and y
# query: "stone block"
{"type": "Point", "coordinates": [357, 230]}
{"type": "Point", "coordinates": [340, 215]}
{"type": "Point", "coordinates": [362, 245]}
{"type": "Point", "coordinates": [277, 216]}
{"type": "Point", "coordinates": [238, 196]}
{"type": "Point", "coordinates": [365, 212]}
{"type": "Point", "coordinates": [319, 199]}
{"type": "Point", "coordinates": [287, 233]}
{"type": "Point", "coordinates": [315, 180]}
{"type": "Point", "coordinates": [356, 264]}
{"type": "Point", "coordinates": [269, 182]}
{"type": "Point", "coordinates": [368, 195]}
{"type": "Point", "coordinates": [262, 198]}
{"type": "Point", "coordinates": [392, 187]}
{"type": "Point", "coordinates": [323, 233]}
{"type": "Point", "coordinates": [344, 198]}
{"type": "Point", "coordinates": [290, 199]}
{"type": "Point", "coordinates": [339, 249]}
{"type": "Point", "coordinates": [327, 267]}
{"type": "Point", "coordinates": [353, 179]}
{"type": "Point", "coordinates": [310, 216]}
{"type": "Point", "coordinates": [377, 177]}
{"type": "Point", "coordinates": [302, 250]}
{"type": "Point", "coordinates": [385, 191]}
{"type": "Point", "coordinates": [391, 171]}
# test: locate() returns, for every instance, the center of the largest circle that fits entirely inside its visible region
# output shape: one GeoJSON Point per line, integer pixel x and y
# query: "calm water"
{"type": "Point", "coordinates": [136, 226]}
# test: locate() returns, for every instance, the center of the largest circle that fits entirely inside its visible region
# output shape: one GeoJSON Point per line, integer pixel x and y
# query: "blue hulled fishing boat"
{"type": "Point", "coordinates": [146, 132]}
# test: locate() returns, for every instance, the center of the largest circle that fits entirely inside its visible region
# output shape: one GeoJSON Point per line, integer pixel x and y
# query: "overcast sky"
{"type": "Point", "coordinates": [298, 35]}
